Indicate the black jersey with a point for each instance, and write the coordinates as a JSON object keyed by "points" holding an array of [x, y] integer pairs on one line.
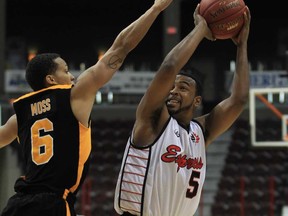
{"points": [[55, 145]]}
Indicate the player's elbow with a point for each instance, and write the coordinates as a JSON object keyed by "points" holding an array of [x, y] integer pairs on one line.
{"points": [[241, 100], [170, 66]]}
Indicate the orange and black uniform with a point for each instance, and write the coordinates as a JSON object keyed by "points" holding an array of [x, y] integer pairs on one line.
{"points": [[56, 150]]}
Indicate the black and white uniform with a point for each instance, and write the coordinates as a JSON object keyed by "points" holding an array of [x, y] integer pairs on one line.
{"points": [[165, 178]]}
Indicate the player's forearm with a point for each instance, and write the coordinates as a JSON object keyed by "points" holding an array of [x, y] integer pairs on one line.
{"points": [[241, 82], [183, 51], [130, 37]]}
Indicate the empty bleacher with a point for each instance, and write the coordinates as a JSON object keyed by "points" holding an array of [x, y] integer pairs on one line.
{"points": [[254, 180]]}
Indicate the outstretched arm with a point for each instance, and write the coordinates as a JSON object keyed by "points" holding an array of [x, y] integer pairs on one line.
{"points": [[90, 81], [226, 112], [152, 113]]}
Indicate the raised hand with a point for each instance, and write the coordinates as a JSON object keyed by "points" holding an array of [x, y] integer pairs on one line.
{"points": [[199, 19], [242, 37]]}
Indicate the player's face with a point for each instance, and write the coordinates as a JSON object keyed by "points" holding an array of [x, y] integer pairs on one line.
{"points": [[182, 95], [62, 75]]}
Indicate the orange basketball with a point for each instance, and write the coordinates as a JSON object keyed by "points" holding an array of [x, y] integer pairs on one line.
{"points": [[224, 17]]}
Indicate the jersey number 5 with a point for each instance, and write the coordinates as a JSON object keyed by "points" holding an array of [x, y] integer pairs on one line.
{"points": [[42, 145], [193, 185]]}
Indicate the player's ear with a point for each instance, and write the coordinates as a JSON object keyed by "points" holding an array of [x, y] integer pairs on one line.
{"points": [[197, 101], [50, 79]]}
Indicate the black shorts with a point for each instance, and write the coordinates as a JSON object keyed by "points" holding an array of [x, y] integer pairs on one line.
{"points": [[39, 204]]}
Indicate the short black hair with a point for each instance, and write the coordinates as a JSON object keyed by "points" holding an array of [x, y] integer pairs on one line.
{"points": [[196, 75], [39, 67]]}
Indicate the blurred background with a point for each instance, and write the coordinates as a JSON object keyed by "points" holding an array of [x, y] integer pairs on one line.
{"points": [[247, 166], [81, 30]]}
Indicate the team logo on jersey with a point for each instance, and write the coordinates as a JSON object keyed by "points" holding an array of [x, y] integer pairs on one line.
{"points": [[177, 133], [182, 161], [195, 138]]}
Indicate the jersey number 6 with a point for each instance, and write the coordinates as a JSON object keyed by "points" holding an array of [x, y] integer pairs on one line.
{"points": [[41, 145]]}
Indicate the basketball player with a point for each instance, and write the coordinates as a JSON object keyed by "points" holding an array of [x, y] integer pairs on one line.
{"points": [[52, 124], [164, 163]]}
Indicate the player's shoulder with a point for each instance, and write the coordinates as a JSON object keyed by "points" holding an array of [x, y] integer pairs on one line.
{"points": [[200, 121]]}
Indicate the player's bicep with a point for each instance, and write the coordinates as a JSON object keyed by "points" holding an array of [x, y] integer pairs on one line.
{"points": [[221, 118]]}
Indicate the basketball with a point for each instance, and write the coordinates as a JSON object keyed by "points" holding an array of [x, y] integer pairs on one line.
{"points": [[224, 17]]}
